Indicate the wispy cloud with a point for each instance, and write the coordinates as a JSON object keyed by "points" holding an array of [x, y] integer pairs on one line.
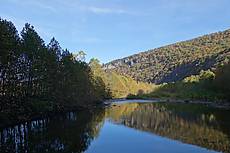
{"points": [[43, 6], [91, 8], [63, 6], [35, 4], [104, 10]]}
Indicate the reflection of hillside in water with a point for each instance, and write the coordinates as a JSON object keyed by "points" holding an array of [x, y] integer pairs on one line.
{"points": [[193, 124], [72, 132]]}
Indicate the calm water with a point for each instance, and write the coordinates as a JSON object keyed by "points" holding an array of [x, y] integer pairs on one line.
{"points": [[125, 128]]}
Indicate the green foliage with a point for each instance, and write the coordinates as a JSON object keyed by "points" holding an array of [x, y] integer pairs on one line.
{"points": [[222, 80], [203, 76], [119, 86], [191, 79], [205, 86], [35, 77], [177, 61], [206, 75]]}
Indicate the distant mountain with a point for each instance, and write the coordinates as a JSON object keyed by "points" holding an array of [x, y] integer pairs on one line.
{"points": [[176, 61]]}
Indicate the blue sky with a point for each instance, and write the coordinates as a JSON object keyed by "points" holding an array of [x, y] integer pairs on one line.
{"points": [[111, 29]]}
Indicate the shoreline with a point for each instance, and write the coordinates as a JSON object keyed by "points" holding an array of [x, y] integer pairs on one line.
{"points": [[216, 104], [20, 119], [107, 103]]}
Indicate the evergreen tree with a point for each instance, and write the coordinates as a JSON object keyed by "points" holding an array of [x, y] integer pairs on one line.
{"points": [[33, 47], [9, 51]]}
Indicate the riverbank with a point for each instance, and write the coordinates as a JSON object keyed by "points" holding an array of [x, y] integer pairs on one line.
{"points": [[196, 126], [37, 109], [8, 119], [216, 104]]}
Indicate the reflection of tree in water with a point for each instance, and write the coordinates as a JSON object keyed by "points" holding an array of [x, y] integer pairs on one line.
{"points": [[70, 133], [193, 124]]}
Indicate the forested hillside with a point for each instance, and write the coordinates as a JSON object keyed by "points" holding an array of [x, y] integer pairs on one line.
{"points": [[118, 86], [177, 61]]}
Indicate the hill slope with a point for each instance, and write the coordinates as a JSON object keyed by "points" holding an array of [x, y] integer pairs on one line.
{"points": [[177, 61], [119, 86]]}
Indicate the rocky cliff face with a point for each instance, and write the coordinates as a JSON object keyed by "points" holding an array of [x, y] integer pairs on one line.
{"points": [[177, 61]]}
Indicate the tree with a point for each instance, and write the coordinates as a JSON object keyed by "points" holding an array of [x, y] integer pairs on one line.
{"points": [[33, 47], [9, 51], [37, 77], [80, 56], [222, 80], [53, 65]]}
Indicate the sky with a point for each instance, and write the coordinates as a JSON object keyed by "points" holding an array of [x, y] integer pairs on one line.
{"points": [[112, 29]]}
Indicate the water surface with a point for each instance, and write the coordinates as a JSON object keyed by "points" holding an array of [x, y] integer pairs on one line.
{"points": [[131, 127]]}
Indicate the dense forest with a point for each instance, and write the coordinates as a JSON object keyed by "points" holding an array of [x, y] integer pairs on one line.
{"points": [[175, 62], [35, 77], [207, 86], [38, 78], [194, 69]]}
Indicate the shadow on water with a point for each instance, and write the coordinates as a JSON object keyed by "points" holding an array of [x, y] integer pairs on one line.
{"points": [[71, 132], [190, 123], [74, 131]]}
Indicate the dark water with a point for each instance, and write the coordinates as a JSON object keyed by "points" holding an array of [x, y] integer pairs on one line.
{"points": [[125, 128]]}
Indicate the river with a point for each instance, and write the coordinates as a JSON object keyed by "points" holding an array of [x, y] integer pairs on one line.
{"points": [[125, 127]]}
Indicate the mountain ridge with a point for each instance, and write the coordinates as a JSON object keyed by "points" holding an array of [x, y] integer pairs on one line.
{"points": [[175, 61]]}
